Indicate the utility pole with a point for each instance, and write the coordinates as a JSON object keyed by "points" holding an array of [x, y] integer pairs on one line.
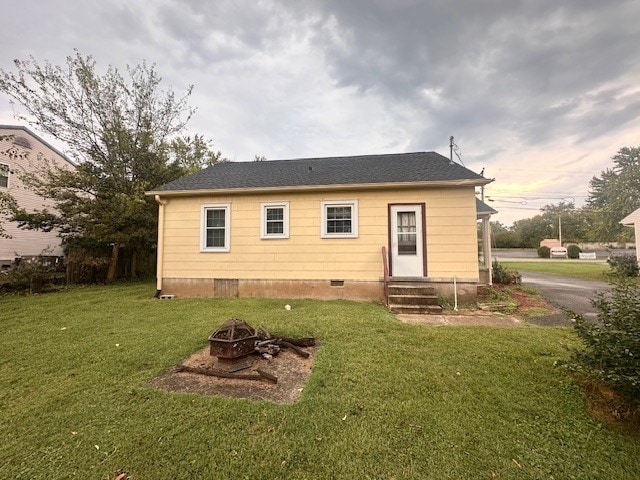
{"points": [[560, 229], [451, 148]]}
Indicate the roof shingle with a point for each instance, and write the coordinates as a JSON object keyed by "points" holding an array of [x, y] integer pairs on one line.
{"points": [[356, 170]]}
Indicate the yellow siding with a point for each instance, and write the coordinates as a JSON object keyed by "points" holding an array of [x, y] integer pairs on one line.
{"points": [[450, 235]]}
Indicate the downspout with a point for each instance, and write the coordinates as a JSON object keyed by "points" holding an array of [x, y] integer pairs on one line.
{"points": [[160, 260]]}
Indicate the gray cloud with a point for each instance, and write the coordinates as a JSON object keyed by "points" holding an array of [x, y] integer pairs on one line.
{"points": [[515, 65]]}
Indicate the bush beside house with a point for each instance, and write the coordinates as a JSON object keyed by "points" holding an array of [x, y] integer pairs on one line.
{"points": [[611, 352], [624, 265]]}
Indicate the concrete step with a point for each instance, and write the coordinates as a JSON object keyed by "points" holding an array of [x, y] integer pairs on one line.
{"points": [[413, 298], [404, 299], [416, 309], [411, 289]]}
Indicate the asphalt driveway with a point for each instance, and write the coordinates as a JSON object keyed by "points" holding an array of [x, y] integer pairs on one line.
{"points": [[565, 293]]}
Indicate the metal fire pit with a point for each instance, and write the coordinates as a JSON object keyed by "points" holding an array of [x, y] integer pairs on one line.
{"points": [[231, 344]]}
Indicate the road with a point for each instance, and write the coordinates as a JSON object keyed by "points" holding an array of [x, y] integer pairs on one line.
{"points": [[565, 293], [517, 254]]}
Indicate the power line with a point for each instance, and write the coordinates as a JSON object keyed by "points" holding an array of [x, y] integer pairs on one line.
{"points": [[520, 208], [499, 193], [544, 170]]}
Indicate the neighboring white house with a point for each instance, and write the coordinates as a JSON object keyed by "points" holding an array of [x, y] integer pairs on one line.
{"points": [[633, 220], [21, 151]]}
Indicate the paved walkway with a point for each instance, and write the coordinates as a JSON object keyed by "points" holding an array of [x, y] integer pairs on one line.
{"points": [[470, 319], [563, 293]]}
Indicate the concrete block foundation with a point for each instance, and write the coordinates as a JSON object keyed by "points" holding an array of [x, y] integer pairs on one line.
{"points": [[316, 289]]}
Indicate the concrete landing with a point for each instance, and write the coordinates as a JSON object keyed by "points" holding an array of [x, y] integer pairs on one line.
{"points": [[477, 319]]}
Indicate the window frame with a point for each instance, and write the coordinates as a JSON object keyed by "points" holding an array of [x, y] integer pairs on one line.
{"points": [[7, 169], [353, 205], [263, 220], [226, 207]]}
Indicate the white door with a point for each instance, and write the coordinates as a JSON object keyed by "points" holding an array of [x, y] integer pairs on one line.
{"points": [[407, 242]]}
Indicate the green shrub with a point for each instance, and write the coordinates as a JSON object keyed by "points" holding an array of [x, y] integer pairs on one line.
{"points": [[544, 252], [624, 265], [504, 275], [573, 251], [32, 274], [611, 352]]}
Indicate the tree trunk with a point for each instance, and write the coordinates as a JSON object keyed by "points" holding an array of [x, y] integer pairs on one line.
{"points": [[134, 264], [113, 263]]}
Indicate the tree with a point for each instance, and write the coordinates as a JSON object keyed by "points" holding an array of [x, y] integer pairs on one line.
{"points": [[616, 193], [504, 237], [7, 207], [121, 131], [190, 154], [547, 225], [566, 217]]}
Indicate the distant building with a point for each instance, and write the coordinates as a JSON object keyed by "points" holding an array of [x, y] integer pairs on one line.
{"points": [[550, 242], [22, 151]]}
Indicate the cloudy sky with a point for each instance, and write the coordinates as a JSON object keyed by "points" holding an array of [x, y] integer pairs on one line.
{"points": [[539, 93]]}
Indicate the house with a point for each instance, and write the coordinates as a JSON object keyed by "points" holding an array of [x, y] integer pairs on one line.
{"points": [[321, 228], [22, 151], [550, 243], [633, 220]]}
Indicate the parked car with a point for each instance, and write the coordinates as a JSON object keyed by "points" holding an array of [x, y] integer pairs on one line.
{"points": [[558, 252]]}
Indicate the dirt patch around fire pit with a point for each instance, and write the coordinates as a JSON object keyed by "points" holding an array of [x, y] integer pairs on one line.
{"points": [[291, 370]]}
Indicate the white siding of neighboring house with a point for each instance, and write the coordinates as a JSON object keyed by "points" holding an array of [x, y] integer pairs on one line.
{"points": [[633, 220], [27, 242]]}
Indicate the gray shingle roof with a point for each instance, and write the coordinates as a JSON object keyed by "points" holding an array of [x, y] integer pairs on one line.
{"points": [[357, 170], [484, 209]]}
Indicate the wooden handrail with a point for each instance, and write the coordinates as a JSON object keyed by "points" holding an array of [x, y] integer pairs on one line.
{"points": [[385, 263]]}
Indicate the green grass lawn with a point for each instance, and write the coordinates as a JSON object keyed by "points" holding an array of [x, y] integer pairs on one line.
{"points": [[586, 271], [385, 400]]}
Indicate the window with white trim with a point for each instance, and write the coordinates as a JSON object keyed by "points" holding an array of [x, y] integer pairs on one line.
{"points": [[340, 219], [4, 175], [274, 220], [215, 228]]}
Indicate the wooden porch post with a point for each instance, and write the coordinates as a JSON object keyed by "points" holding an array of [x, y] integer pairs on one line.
{"points": [[486, 246]]}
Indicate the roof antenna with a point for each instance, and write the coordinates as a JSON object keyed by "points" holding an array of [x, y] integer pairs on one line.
{"points": [[451, 144], [453, 148]]}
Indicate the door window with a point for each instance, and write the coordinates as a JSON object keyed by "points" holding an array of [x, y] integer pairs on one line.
{"points": [[407, 235]]}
